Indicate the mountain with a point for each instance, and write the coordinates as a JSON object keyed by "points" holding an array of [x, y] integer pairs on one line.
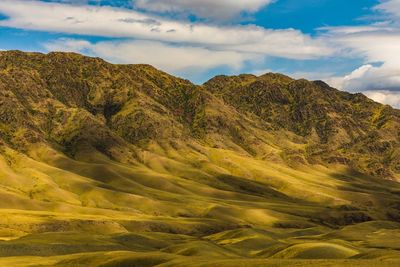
{"points": [[125, 165]]}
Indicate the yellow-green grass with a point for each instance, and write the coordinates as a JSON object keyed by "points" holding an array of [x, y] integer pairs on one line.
{"points": [[184, 206]]}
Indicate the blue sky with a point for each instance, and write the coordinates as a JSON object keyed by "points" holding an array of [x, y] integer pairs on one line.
{"points": [[311, 14], [353, 45]]}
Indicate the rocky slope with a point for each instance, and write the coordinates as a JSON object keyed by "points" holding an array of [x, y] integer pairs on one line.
{"points": [[66, 99], [245, 166]]}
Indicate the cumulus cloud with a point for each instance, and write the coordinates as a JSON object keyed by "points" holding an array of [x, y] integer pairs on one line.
{"points": [[390, 7], [384, 96], [170, 58], [379, 45], [209, 9], [369, 77], [381, 52], [118, 22]]}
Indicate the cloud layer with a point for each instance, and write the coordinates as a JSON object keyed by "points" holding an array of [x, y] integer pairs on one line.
{"points": [[114, 22], [171, 58], [379, 46], [209, 9], [174, 45]]}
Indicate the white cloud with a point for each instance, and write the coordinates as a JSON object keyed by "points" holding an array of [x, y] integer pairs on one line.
{"points": [[386, 97], [210, 9], [369, 77], [379, 45], [359, 29], [390, 7], [117, 22], [381, 52], [170, 58]]}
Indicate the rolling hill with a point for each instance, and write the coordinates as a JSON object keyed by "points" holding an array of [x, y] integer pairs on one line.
{"points": [[125, 165]]}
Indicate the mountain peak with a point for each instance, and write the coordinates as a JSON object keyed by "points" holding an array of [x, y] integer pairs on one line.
{"points": [[276, 77]]}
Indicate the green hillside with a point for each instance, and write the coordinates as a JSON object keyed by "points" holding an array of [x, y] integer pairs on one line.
{"points": [[125, 165]]}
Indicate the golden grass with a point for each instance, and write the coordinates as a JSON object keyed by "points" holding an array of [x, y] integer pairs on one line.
{"points": [[227, 209]]}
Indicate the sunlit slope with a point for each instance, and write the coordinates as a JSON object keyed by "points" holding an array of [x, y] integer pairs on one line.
{"points": [[234, 207], [114, 165]]}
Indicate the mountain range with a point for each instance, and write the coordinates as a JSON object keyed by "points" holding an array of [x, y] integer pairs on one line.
{"points": [[126, 165]]}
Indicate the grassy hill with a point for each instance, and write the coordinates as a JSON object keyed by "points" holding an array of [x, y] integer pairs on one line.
{"points": [[125, 165]]}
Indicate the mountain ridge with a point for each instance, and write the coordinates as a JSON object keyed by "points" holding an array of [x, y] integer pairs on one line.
{"points": [[310, 110]]}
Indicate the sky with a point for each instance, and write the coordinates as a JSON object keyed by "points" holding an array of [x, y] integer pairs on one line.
{"points": [[353, 45]]}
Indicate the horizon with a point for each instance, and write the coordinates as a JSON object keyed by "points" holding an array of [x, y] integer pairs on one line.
{"points": [[133, 64], [197, 40]]}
